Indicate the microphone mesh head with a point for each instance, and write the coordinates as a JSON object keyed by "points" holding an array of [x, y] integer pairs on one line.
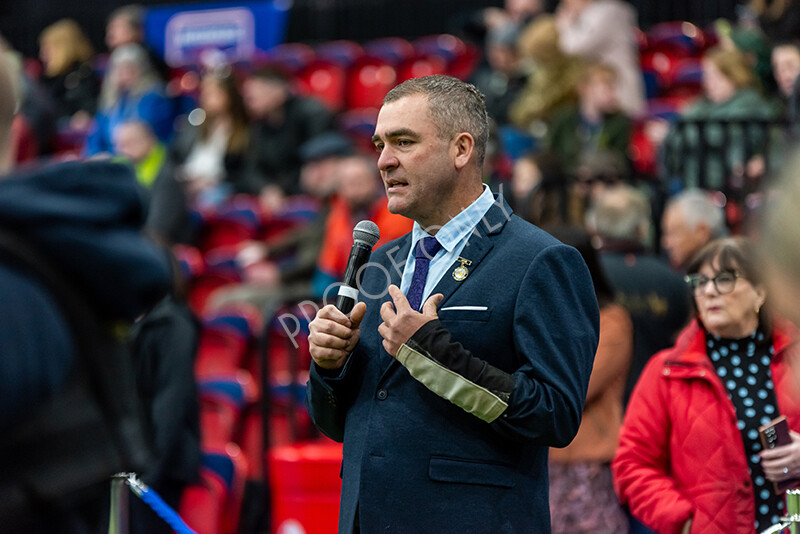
{"points": [[366, 232]]}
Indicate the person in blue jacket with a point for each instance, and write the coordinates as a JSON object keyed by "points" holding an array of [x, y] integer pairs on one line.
{"points": [[447, 413], [131, 92]]}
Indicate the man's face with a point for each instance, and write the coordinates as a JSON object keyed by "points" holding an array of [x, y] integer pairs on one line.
{"points": [[679, 240], [786, 66], [416, 164]]}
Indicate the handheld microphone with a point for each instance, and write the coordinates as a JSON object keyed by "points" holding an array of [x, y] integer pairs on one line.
{"points": [[365, 235]]}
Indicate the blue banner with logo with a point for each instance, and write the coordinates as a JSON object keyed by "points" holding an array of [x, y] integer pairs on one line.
{"points": [[239, 30]]}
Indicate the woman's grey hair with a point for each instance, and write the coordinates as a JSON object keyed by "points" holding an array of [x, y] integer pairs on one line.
{"points": [[454, 106], [131, 54]]}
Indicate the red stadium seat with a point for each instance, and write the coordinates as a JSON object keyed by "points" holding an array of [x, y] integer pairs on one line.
{"points": [[681, 36], [461, 57], [223, 401], [292, 57], [305, 487], [419, 66], [392, 50], [202, 503], [230, 465], [368, 81], [342, 52], [326, 81], [222, 349]]}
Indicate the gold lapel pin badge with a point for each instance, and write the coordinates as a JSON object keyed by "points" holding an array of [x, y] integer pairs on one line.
{"points": [[461, 272]]}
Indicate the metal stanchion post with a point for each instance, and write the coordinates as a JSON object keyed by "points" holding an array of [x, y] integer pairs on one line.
{"points": [[119, 519]]}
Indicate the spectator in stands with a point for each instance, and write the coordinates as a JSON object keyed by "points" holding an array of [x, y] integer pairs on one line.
{"points": [[282, 267], [164, 343], [36, 109], [691, 219], [689, 457], [131, 92], [731, 93], [551, 84], [282, 122], [582, 497], [168, 218], [69, 78], [359, 197], [501, 78], [604, 31], [23, 144], [210, 144], [653, 294], [477, 24], [539, 190], [594, 124], [778, 20], [125, 26], [786, 69]]}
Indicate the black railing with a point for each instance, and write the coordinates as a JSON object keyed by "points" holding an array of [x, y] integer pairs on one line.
{"points": [[729, 155]]}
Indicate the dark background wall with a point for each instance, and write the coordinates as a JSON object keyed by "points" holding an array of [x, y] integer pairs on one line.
{"points": [[21, 21]]}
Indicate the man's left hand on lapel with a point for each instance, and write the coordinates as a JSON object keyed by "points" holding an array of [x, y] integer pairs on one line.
{"points": [[400, 322]]}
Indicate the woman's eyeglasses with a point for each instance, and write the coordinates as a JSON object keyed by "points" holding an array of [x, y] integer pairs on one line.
{"points": [[724, 282]]}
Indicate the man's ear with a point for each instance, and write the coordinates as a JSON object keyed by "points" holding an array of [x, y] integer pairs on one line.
{"points": [[463, 149]]}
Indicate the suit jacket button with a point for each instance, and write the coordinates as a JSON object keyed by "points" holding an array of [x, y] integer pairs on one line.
{"points": [[382, 394]]}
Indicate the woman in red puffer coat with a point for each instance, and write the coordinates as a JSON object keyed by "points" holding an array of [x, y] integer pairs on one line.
{"points": [[690, 458]]}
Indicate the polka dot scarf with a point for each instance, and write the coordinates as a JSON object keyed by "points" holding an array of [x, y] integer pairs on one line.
{"points": [[743, 367]]}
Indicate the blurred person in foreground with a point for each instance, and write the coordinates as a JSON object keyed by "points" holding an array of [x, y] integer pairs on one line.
{"points": [[690, 458], [691, 219], [779, 246], [74, 273], [582, 497], [448, 382], [653, 294]]}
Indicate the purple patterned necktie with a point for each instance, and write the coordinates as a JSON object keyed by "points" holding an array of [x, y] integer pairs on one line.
{"points": [[425, 250]]}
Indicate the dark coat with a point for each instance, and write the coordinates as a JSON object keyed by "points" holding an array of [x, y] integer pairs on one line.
{"points": [[164, 346], [517, 337]]}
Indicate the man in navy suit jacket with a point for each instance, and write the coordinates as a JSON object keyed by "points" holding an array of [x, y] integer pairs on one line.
{"points": [[447, 413]]}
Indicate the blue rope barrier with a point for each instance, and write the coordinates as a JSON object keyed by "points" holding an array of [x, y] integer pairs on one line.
{"points": [[157, 504]]}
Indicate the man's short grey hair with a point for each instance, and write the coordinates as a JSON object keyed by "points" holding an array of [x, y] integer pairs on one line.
{"points": [[621, 212], [455, 107], [697, 207]]}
